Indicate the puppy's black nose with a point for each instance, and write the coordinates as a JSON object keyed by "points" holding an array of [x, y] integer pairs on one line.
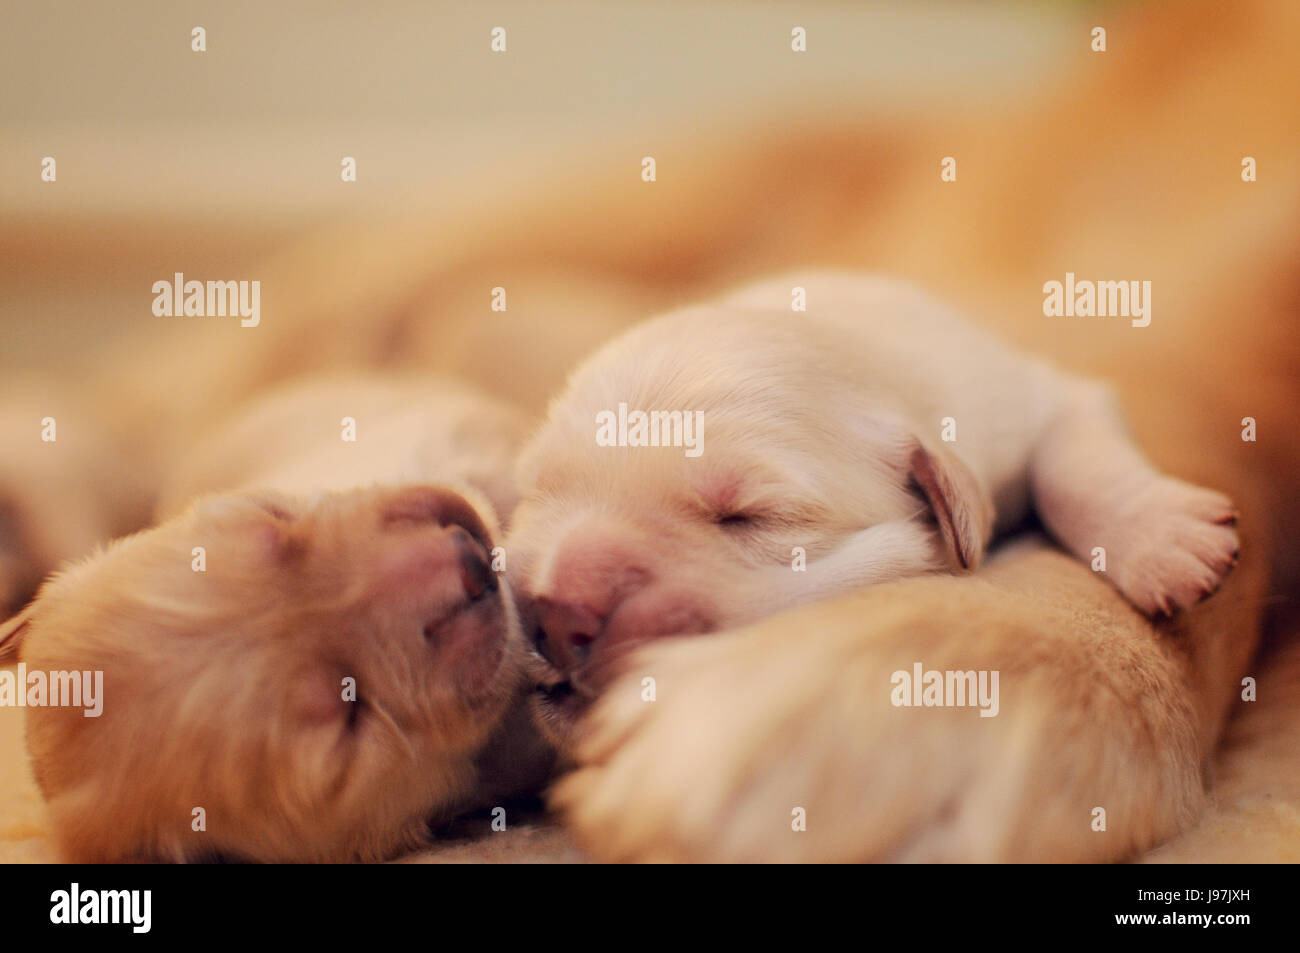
{"points": [[567, 632], [475, 572]]}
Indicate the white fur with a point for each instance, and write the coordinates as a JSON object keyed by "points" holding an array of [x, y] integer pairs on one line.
{"points": [[815, 413]]}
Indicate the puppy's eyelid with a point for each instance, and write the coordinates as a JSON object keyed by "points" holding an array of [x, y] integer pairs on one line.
{"points": [[737, 520], [792, 517]]}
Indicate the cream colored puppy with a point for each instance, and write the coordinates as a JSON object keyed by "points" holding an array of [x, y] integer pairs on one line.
{"points": [[311, 665], [795, 455]]}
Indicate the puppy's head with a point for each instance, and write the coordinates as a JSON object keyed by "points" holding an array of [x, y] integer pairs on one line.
{"points": [[800, 487], [282, 679]]}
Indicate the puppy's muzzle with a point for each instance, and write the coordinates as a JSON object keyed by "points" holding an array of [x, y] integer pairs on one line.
{"points": [[565, 633], [586, 648]]}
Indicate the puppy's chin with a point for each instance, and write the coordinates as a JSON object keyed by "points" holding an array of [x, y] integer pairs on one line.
{"points": [[560, 700], [558, 710], [558, 703]]}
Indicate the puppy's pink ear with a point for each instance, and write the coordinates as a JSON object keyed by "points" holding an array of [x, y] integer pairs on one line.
{"points": [[12, 632], [961, 505]]}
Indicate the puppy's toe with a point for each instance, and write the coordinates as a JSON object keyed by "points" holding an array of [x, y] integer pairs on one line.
{"points": [[1176, 547]]}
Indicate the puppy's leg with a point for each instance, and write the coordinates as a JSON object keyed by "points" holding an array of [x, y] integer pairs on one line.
{"points": [[799, 752], [1168, 544]]}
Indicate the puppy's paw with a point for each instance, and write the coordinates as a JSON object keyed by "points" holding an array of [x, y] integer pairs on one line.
{"points": [[760, 748], [785, 741], [1174, 546], [654, 780]]}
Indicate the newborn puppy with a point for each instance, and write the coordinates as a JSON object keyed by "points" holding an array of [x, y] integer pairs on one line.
{"points": [[874, 436], [307, 668]]}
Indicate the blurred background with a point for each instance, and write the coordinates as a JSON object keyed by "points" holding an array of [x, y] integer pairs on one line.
{"points": [[215, 158]]}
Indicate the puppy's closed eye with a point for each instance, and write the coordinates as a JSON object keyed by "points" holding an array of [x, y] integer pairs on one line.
{"points": [[755, 517], [738, 521]]}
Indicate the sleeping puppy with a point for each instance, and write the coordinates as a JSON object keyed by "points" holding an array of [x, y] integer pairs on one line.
{"points": [[309, 666], [722, 462]]}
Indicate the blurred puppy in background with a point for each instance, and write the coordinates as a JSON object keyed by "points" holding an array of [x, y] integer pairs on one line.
{"points": [[317, 661]]}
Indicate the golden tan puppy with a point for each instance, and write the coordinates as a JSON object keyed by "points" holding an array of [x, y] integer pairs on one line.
{"points": [[300, 671]]}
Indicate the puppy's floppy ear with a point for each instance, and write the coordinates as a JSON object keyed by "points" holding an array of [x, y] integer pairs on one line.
{"points": [[261, 516], [12, 632], [961, 505]]}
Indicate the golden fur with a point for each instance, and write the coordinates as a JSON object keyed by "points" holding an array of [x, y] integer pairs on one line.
{"points": [[227, 729]]}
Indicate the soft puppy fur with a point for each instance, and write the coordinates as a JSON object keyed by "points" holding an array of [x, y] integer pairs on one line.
{"points": [[817, 464], [228, 638], [791, 718]]}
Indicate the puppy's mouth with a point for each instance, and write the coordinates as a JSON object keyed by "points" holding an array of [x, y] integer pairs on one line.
{"points": [[559, 699], [563, 695]]}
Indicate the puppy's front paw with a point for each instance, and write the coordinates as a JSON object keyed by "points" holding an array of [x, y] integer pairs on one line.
{"points": [[788, 741], [654, 780], [1173, 546], [758, 747]]}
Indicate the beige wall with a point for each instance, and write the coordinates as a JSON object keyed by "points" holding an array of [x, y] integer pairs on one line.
{"points": [[257, 124]]}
